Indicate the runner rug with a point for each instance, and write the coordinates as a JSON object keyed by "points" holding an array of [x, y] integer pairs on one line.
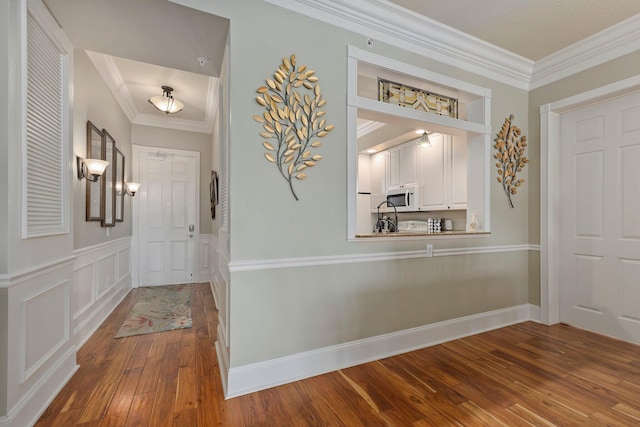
{"points": [[159, 308]]}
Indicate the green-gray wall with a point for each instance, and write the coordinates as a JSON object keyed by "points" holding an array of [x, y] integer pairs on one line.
{"points": [[94, 101], [285, 311]]}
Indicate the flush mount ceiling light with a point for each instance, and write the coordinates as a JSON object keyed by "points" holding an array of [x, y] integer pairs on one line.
{"points": [[424, 140], [166, 102]]}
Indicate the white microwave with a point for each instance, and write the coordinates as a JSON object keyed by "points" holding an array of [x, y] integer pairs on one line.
{"points": [[405, 199]]}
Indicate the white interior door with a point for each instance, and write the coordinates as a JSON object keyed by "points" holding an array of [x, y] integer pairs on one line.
{"points": [[600, 218], [168, 216]]}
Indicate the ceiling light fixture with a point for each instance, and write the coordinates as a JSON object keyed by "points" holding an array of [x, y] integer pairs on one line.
{"points": [[166, 102], [424, 140]]}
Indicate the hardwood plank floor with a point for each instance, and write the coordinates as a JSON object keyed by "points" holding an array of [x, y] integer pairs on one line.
{"points": [[522, 375]]}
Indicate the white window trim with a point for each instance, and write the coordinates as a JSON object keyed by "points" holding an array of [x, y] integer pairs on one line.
{"points": [[478, 131]]}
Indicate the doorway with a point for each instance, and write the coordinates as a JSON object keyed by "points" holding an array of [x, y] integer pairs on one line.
{"points": [[166, 216], [590, 219]]}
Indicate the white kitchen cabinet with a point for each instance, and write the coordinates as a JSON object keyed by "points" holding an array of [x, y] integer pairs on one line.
{"points": [[364, 173], [443, 173], [378, 188], [402, 166], [458, 189]]}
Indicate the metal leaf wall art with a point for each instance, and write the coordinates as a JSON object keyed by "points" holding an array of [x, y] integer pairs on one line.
{"points": [[510, 145], [292, 122]]}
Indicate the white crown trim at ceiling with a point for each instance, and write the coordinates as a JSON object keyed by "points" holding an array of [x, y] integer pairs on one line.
{"points": [[108, 70], [368, 127], [611, 43], [383, 21]]}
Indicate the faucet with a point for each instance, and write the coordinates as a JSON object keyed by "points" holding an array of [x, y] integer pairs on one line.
{"points": [[382, 220]]}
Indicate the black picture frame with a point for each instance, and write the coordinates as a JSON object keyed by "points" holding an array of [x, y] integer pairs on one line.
{"points": [[213, 193], [119, 186], [94, 191], [109, 181]]}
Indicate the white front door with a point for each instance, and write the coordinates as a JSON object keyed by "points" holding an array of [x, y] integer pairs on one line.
{"points": [[600, 218], [168, 215]]}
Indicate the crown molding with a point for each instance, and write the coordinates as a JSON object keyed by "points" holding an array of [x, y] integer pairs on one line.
{"points": [[383, 21], [108, 70], [610, 43], [405, 29], [368, 127]]}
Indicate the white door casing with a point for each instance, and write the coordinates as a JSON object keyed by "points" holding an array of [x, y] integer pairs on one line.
{"points": [[602, 266], [167, 206]]}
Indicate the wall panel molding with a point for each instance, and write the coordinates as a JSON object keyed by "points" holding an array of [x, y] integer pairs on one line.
{"points": [[41, 351], [47, 311], [101, 280]]}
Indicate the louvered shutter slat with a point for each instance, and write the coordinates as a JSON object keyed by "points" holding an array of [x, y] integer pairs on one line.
{"points": [[45, 183]]}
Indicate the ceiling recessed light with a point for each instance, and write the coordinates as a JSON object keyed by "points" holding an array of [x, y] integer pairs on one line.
{"points": [[371, 151]]}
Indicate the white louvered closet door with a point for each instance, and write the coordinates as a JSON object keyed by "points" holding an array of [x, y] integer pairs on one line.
{"points": [[44, 152]]}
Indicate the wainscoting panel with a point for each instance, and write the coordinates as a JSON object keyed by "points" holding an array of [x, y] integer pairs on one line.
{"points": [[106, 273], [124, 263], [46, 311], [82, 291], [108, 285], [41, 353], [205, 270], [217, 273]]}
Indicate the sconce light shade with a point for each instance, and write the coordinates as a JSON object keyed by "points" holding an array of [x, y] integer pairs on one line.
{"points": [[166, 102], [91, 169], [130, 188], [424, 140]]}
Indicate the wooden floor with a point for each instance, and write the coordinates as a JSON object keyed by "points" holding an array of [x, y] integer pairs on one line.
{"points": [[527, 374]]}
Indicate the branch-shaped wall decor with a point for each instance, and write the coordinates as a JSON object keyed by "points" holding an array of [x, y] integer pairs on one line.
{"points": [[510, 144], [293, 120]]}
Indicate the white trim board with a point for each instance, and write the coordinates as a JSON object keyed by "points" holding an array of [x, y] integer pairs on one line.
{"points": [[267, 264], [262, 375], [399, 27]]}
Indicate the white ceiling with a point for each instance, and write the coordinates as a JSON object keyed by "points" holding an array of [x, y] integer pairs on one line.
{"points": [[141, 45], [532, 29]]}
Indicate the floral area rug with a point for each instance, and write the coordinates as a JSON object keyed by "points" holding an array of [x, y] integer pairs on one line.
{"points": [[159, 308]]}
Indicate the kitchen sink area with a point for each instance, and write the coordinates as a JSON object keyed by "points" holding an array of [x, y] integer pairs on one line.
{"points": [[419, 228]]}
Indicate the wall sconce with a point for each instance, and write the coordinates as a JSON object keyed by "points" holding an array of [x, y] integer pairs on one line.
{"points": [[166, 102], [90, 169], [424, 139], [130, 188]]}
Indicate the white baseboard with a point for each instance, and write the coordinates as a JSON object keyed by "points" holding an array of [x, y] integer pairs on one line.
{"points": [[223, 361], [262, 375], [83, 331], [534, 313]]}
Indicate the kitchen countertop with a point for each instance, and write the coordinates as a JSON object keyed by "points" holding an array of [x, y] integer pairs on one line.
{"points": [[422, 234]]}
